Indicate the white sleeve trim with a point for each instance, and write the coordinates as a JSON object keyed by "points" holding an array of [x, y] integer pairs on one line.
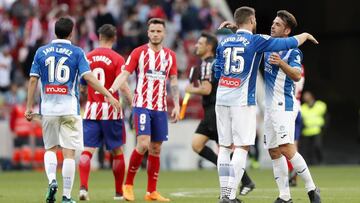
{"points": [[34, 74]]}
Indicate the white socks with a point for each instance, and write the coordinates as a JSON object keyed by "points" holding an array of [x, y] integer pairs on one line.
{"points": [[281, 176], [302, 170], [68, 173], [237, 168], [50, 163], [223, 165]]}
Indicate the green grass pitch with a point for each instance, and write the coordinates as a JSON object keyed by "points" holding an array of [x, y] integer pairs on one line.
{"points": [[337, 183]]}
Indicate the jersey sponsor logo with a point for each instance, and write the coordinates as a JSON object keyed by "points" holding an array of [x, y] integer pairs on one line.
{"points": [[229, 82], [155, 75], [56, 89]]}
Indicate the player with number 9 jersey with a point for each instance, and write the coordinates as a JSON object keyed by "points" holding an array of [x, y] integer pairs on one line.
{"points": [[105, 64]]}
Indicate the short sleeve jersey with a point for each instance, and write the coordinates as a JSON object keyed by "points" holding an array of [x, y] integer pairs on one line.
{"points": [[152, 70], [59, 65], [105, 64]]}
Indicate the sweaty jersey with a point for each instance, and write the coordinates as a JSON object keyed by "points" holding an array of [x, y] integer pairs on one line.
{"points": [[152, 70], [105, 64], [207, 74], [237, 62], [280, 88], [59, 65]]}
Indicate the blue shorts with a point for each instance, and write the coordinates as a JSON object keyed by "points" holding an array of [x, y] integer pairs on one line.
{"points": [[150, 122], [298, 126], [108, 132]]}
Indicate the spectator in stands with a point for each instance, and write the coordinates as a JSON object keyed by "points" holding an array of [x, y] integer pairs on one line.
{"points": [[5, 68]]}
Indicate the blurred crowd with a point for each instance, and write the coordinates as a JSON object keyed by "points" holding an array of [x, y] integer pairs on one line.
{"points": [[25, 25]]}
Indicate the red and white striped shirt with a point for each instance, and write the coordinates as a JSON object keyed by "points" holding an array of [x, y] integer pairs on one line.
{"points": [[152, 69], [105, 64]]}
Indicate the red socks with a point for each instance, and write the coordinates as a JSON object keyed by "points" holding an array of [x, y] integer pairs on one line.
{"points": [[134, 164], [153, 167], [118, 168], [84, 169]]}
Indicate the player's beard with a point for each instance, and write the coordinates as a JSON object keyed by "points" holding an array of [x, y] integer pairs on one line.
{"points": [[156, 43]]}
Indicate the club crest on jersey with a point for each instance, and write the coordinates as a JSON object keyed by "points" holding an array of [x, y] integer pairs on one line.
{"points": [[56, 89], [229, 82], [165, 62], [142, 127]]}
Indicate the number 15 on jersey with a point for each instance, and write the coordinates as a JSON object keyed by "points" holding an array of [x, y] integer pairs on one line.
{"points": [[234, 63]]}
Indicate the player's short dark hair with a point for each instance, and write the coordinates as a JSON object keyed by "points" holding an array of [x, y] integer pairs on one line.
{"points": [[210, 39], [63, 27], [288, 18], [156, 21], [242, 15], [107, 31]]}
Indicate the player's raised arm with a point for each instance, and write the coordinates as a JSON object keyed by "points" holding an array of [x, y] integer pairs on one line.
{"points": [[175, 95], [91, 80]]}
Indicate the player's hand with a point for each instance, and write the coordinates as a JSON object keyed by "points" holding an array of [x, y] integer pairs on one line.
{"points": [[312, 38], [228, 24], [275, 59], [175, 114], [114, 103], [28, 115]]}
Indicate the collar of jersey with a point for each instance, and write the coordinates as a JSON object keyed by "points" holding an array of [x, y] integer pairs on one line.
{"points": [[61, 41], [243, 30]]}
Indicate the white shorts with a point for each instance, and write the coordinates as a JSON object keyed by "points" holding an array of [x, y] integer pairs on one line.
{"points": [[66, 131], [279, 127], [236, 125]]}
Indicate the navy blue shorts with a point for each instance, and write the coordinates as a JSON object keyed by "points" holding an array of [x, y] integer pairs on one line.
{"points": [[298, 126], [100, 132], [150, 122]]}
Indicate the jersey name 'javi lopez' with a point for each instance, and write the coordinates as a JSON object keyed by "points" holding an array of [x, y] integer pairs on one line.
{"points": [[59, 50]]}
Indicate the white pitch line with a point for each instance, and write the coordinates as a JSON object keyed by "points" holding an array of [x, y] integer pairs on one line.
{"points": [[211, 192]]}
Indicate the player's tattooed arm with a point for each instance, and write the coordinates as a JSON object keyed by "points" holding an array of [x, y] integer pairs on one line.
{"points": [[175, 94], [174, 89]]}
